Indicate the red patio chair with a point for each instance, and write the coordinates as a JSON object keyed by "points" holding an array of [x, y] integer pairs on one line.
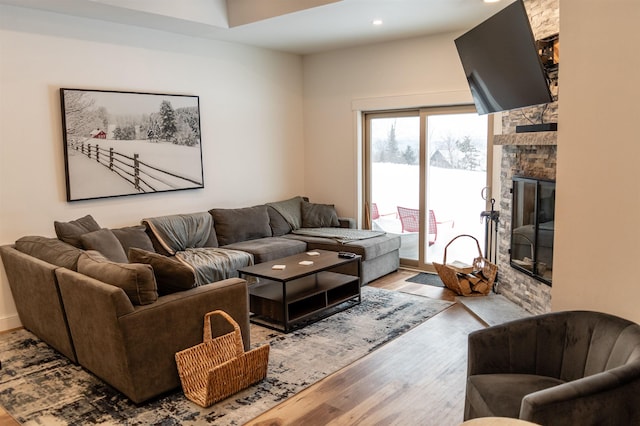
{"points": [[375, 214], [410, 221]]}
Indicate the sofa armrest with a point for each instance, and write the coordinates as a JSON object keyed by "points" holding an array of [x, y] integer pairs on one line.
{"points": [[609, 397], [133, 347], [347, 222], [35, 292]]}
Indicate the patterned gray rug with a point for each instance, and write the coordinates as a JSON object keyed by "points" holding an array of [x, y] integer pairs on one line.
{"points": [[38, 386]]}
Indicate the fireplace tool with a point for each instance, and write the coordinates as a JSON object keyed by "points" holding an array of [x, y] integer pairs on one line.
{"points": [[491, 219]]}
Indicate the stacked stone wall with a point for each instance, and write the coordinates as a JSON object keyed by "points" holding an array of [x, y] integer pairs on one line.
{"points": [[545, 21], [535, 161]]}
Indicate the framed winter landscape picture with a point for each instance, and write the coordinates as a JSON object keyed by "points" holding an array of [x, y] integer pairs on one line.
{"points": [[125, 143]]}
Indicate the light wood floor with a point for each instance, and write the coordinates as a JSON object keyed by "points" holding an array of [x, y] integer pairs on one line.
{"points": [[416, 379], [6, 419]]}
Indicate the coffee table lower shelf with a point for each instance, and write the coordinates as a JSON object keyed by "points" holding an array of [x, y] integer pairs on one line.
{"points": [[285, 306]]}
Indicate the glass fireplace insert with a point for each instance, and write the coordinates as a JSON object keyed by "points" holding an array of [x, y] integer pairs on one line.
{"points": [[532, 227]]}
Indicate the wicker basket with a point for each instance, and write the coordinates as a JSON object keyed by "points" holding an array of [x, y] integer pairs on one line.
{"points": [[218, 368], [479, 282]]}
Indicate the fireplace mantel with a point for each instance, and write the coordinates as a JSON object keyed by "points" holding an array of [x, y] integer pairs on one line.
{"points": [[532, 138]]}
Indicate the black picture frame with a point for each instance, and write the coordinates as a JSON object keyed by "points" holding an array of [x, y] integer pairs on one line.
{"points": [[127, 143]]}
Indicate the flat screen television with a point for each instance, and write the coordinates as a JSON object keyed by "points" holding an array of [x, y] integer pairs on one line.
{"points": [[501, 62]]}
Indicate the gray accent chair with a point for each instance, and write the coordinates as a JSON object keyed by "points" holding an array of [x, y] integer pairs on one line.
{"points": [[563, 368]]}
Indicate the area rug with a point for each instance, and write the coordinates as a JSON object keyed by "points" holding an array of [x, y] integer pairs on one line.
{"points": [[428, 279], [38, 386]]}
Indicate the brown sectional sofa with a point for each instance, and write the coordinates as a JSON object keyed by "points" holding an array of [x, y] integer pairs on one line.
{"points": [[125, 321]]}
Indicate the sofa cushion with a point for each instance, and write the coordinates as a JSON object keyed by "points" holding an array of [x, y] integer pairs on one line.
{"points": [[319, 215], [50, 250], [233, 225], [270, 248], [291, 210], [104, 241], [135, 279], [369, 248], [70, 232], [171, 274], [133, 236], [279, 225]]}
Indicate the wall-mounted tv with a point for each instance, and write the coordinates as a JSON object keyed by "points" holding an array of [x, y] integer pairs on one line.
{"points": [[501, 62]]}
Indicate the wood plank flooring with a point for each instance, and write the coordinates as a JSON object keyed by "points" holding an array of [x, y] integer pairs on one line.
{"points": [[6, 419], [416, 379]]}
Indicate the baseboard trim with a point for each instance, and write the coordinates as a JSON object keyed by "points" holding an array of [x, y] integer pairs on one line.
{"points": [[10, 323]]}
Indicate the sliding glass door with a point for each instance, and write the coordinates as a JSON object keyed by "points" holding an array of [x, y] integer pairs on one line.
{"points": [[424, 175]]}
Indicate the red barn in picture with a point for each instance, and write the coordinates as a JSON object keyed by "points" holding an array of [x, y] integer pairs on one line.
{"points": [[98, 134]]}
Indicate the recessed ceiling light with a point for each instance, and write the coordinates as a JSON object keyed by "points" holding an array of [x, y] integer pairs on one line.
{"points": [[377, 22], [491, 1]]}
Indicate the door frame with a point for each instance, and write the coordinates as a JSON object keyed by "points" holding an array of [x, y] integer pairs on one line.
{"points": [[422, 113]]}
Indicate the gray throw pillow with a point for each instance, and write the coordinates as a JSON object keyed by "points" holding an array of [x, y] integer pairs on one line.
{"points": [[290, 210], [234, 225], [50, 250], [133, 236], [319, 215], [104, 241], [279, 225], [135, 279], [171, 274], [70, 232]]}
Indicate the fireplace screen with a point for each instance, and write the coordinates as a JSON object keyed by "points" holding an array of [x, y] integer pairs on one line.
{"points": [[532, 226]]}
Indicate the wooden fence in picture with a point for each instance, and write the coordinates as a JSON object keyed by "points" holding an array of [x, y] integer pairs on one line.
{"points": [[143, 176]]}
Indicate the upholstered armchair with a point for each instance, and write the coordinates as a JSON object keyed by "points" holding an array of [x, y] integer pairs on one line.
{"points": [[563, 368]]}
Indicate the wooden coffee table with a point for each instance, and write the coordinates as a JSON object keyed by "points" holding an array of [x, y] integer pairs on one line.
{"points": [[298, 294]]}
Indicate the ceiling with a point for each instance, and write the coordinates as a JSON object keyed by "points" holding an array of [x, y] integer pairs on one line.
{"points": [[295, 26]]}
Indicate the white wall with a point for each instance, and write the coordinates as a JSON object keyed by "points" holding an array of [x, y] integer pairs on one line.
{"points": [[597, 246], [251, 119], [417, 72]]}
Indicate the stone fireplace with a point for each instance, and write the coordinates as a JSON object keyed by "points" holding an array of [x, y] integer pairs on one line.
{"points": [[527, 155], [536, 161]]}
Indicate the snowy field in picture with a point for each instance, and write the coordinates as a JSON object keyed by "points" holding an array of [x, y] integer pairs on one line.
{"points": [[120, 143]]}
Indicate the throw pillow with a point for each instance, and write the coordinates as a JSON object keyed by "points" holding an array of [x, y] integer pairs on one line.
{"points": [[133, 236], [319, 215], [171, 274], [135, 279], [104, 241], [279, 225], [70, 232], [233, 225], [50, 250], [290, 210]]}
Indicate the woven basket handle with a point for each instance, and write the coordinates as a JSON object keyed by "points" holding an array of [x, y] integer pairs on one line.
{"points": [[444, 261], [236, 329]]}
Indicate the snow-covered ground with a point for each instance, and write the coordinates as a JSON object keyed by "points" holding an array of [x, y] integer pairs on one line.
{"points": [[453, 195], [89, 179]]}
